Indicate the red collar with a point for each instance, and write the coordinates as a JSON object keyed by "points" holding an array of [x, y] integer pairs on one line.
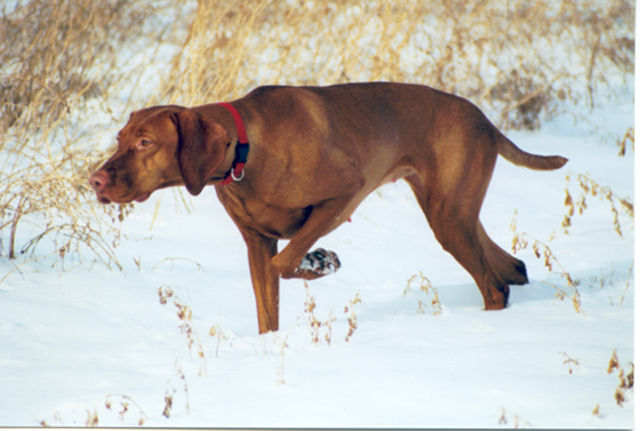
{"points": [[242, 148]]}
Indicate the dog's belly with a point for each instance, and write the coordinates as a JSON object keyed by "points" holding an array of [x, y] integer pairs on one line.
{"points": [[392, 175]]}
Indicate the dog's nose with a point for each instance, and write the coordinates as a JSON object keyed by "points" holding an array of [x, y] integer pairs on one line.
{"points": [[98, 181]]}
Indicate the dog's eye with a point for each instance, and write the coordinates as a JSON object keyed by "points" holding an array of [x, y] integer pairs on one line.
{"points": [[145, 143]]}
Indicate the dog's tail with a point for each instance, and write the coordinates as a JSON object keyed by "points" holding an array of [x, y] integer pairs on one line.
{"points": [[515, 155]]}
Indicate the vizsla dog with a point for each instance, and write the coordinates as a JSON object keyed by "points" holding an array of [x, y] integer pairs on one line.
{"points": [[295, 162]]}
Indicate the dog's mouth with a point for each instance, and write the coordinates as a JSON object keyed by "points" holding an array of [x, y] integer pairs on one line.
{"points": [[105, 200], [143, 198]]}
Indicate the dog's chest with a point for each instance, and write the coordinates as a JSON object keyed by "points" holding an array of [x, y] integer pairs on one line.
{"points": [[269, 220]]}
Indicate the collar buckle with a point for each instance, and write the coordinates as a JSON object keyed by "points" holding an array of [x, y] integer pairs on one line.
{"points": [[242, 148]]}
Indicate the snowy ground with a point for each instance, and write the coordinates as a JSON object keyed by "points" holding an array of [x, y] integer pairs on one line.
{"points": [[80, 345]]}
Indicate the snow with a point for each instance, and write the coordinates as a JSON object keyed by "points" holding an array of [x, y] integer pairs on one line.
{"points": [[77, 345]]}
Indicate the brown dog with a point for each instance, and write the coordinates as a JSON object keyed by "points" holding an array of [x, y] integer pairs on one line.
{"points": [[315, 154]]}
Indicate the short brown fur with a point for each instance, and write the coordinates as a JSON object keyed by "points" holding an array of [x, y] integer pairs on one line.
{"points": [[316, 153]]}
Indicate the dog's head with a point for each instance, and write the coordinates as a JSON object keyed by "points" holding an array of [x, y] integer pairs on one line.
{"points": [[161, 146]]}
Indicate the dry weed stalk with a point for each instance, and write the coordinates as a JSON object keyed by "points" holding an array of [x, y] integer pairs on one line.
{"points": [[352, 319], [173, 259], [312, 320], [626, 379], [602, 281], [216, 331], [518, 422], [629, 137], [108, 402], [314, 323], [626, 286], [569, 361], [171, 391], [327, 324], [187, 326], [283, 346], [427, 288], [588, 187], [542, 251], [614, 362]]}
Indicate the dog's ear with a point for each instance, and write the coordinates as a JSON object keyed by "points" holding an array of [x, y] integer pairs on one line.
{"points": [[201, 148]]}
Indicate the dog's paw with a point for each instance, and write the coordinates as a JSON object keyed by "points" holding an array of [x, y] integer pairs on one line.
{"points": [[316, 264]]}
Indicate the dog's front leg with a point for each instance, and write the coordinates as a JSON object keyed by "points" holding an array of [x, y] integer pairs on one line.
{"points": [[323, 218], [266, 287]]}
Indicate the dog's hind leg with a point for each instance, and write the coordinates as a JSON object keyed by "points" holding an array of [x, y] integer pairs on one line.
{"points": [[454, 221], [507, 267]]}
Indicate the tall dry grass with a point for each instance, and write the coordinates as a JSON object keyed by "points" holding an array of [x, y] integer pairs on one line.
{"points": [[63, 68], [516, 58], [72, 70]]}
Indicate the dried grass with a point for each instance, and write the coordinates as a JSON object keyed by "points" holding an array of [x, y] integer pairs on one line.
{"points": [[62, 67], [517, 59], [589, 186], [542, 251], [429, 289]]}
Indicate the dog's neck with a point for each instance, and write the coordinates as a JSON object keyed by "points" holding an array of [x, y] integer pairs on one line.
{"points": [[235, 159]]}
